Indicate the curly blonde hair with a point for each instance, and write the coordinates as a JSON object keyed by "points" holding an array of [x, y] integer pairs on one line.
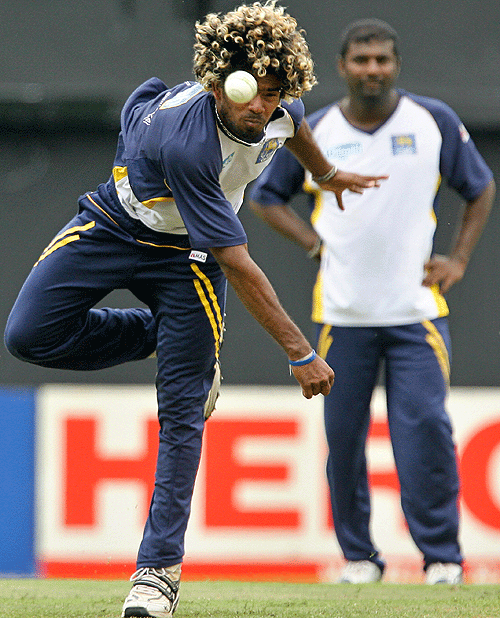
{"points": [[259, 38]]}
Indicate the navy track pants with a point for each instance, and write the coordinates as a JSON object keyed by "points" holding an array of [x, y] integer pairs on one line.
{"points": [[416, 360], [54, 324]]}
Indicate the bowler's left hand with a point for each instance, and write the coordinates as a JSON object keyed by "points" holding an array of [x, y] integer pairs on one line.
{"points": [[350, 181]]}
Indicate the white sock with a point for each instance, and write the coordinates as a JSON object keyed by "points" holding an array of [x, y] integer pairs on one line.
{"points": [[174, 571]]}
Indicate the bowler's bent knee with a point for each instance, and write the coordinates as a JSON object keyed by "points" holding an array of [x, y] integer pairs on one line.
{"points": [[25, 342]]}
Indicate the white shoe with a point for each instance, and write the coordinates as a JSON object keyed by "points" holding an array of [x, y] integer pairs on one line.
{"points": [[444, 573], [360, 572], [153, 594], [213, 393]]}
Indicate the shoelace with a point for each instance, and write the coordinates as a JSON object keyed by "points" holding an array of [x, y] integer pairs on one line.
{"points": [[156, 578]]}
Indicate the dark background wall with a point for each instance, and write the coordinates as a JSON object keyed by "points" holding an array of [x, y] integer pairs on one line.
{"points": [[65, 70]]}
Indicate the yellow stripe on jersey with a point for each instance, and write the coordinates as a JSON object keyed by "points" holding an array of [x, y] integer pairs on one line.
{"points": [[325, 340], [120, 173], [214, 314], [317, 310], [318, 200], [435, 340], [156, 200], [433, 212], [442, 305], [438, 184], [69, 235]]}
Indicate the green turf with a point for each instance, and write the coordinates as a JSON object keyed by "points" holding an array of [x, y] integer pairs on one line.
{"points": [[30, 598]]}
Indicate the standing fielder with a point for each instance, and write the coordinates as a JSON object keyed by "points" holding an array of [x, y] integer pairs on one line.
{"points": [[379, 293], [165, 227]]}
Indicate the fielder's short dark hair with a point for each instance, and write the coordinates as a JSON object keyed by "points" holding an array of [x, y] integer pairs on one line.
{"points": [[366, 30]]}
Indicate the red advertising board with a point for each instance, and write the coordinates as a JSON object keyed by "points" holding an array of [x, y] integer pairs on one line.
{"points": [[260, 508]]}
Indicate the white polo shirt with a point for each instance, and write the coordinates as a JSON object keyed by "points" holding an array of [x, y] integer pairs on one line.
{"points": [[374, 253]]}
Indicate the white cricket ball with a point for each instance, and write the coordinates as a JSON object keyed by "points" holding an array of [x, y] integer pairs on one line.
{"points": [[241, 86]]}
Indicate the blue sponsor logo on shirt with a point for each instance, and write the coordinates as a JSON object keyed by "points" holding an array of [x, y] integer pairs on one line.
{"points": [[344, 151], [403, 144], [268, 149]]}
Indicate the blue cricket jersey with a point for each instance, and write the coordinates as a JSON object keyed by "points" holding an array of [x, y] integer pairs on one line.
{"points": [[178, 171]]}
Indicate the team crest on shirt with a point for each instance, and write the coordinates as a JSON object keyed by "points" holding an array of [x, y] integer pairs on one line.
{"points": [[404, 144], [268, 149]]}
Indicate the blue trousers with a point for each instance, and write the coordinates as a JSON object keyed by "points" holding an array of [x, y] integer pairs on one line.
{"points": [[416, 361], [54, 324]]}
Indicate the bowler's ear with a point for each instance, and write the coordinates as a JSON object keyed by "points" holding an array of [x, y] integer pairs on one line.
{"points": [[217, 90]]}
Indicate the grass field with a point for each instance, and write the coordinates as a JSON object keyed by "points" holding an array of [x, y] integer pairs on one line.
{"points": [[66, 598]]}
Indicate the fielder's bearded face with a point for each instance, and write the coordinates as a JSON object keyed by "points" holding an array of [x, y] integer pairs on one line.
{"points": [[370, 68]]}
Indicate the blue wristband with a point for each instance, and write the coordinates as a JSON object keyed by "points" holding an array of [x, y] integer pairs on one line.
{"points": [[304, 361]]}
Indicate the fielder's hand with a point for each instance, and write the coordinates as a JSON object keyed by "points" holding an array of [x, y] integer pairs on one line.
{"points": [[444, 271]]}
